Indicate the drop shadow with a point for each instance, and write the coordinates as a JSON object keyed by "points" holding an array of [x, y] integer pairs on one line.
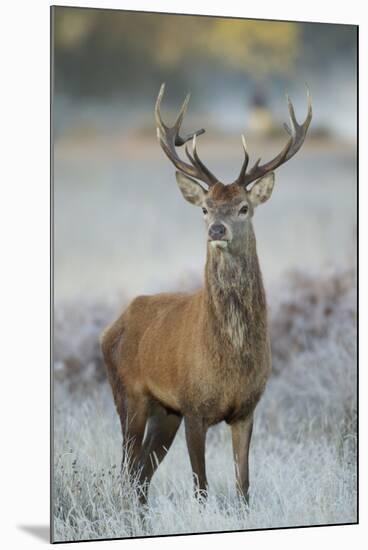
{"points": [[41, 532]]}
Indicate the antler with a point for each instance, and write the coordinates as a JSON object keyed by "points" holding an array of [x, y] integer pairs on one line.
{"points": [[169, 138], [297, 135]]}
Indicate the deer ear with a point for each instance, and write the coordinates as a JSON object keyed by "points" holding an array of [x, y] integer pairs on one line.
{"points": [[262, 189], [190, 189]]}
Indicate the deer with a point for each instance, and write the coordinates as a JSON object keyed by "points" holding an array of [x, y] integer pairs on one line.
{"points": [[203, 356]]}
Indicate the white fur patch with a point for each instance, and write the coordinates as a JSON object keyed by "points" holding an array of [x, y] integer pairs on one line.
{"points": [[219, 244], [235, 327]]}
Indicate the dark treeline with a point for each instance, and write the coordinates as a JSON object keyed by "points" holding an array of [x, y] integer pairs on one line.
{"points": [[105, 53]]}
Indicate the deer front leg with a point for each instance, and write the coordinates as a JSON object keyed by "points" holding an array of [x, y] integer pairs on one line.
{"points": [[195, 434], [241, 432]]}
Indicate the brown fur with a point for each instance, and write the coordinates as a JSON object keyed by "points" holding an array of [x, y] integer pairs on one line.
{"points": [[224, 193], [202, 356]]}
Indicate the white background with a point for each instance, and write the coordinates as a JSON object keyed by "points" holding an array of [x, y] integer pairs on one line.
{"points": [[24, 256]]}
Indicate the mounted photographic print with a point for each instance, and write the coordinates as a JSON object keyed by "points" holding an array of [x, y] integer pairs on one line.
{"points": [[204, 183]]}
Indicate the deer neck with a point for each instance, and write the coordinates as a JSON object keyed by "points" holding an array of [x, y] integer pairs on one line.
{"points": [[234, 296]]}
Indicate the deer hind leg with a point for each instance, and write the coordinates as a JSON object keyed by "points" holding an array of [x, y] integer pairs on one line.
{"points": [[195, 433], [161, 430], [241, 432], [132, 411], [133, 417]]}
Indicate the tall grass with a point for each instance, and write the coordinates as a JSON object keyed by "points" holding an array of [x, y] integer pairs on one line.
{"points": [[303, 452]]}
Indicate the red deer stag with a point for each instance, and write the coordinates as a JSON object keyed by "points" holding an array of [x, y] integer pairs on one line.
{"points": [[203, 356]]}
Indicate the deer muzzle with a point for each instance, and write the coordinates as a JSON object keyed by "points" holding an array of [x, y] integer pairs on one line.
{"points": [[218, 235]]}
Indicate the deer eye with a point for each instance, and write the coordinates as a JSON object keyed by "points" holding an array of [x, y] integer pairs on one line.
{"points": [[205, 211], [244, 209]]}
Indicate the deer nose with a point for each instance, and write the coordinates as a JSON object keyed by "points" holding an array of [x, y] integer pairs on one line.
{"points": [[216, 232]]}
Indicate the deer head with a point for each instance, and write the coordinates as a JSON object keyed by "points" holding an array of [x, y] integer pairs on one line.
{"points": [[227, 209]]}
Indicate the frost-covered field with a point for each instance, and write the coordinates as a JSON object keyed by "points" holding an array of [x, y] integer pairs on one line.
{"points": [[303, 453]]}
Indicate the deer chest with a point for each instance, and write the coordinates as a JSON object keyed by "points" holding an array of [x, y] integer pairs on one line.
{"points": [[229, 396]]}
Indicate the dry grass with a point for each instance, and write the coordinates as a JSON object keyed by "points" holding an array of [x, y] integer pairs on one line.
{"points": [[303, 454]]}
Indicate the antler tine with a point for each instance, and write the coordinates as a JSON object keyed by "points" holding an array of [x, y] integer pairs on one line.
{"points": [[196, 161], [244, 167], [181, 140], [179, 118], [158, 117], [297, 133], [293, 121], [169, 150], [169, 138]]}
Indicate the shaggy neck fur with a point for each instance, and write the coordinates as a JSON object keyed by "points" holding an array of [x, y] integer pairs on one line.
{"points": [[234, 296]]}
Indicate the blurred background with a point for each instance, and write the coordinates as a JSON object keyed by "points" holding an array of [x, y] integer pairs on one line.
{"points": [[121, 224], [122, 228]]}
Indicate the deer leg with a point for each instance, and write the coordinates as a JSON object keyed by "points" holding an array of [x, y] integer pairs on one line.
{"points": [[133, 423], [195, 434], [161, 430], [241, 432]]}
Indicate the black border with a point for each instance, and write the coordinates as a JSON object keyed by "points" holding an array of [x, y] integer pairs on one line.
{"points": [[357, 257], [52, 249], [207, 533], [203, 15]]}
